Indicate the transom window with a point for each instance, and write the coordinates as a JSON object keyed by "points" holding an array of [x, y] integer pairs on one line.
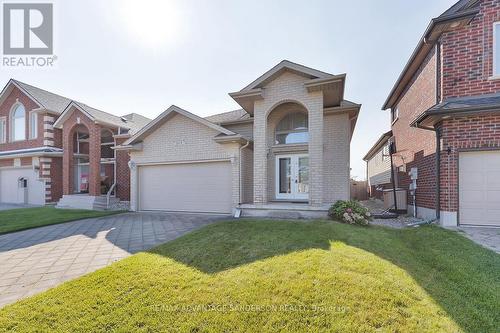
{"points": [[294, 128], [19, 123]]}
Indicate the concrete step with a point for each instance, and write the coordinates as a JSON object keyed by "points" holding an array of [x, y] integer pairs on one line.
{"points": [[284, 211], [85, 202]]}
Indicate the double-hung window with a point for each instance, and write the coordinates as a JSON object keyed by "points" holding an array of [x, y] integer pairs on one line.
{"points": [[496, 49], [33, 125], [3, 130]]}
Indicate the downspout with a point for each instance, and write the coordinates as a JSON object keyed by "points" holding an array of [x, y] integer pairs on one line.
{"points": [[239, 171], [438, 172], [438, 132]]}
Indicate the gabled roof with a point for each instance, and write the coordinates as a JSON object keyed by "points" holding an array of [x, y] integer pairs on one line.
{"points": [[457, 16], [378, 145], [331, 85], [61, 105], [102, 117], [167, 115], [229, 117], [280, 68], [44, 99]]}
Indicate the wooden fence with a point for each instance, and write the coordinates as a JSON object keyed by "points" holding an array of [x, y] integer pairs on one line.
{"points": [[359, 190]]}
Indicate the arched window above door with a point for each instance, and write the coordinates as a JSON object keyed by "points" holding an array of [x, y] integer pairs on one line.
{"points": [[293, 128]]}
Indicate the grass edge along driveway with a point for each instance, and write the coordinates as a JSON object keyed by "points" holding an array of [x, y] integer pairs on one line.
{"points": [[257, 275], [18, 219]]}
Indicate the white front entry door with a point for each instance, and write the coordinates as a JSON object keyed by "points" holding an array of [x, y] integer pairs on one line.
{"points": [[292, 177]]}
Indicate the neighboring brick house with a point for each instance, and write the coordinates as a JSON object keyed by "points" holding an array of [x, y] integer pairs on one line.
{"points": [[445, 109], [285, 153], [52, 146], [378, 167]]}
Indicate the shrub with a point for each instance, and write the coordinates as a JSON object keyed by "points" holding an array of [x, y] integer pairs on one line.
{"points": [[350, 211]]}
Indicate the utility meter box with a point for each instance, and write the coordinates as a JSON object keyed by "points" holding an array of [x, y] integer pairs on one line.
{"points": [[413, 173]]}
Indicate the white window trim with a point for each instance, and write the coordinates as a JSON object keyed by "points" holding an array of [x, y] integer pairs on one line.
{"points": [[3, 122], [30, 125], [496, 70], [287, 196], [291, 131], [11, 122]]}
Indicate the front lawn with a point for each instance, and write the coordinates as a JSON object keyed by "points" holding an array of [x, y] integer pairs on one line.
{"points": [[260, 276], [27, 218]]}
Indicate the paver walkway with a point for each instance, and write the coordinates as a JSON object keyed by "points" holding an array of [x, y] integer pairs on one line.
{"points": [[34, 260]]}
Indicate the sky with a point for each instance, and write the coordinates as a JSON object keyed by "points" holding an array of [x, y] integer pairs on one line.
{"points": [[124, 56]]}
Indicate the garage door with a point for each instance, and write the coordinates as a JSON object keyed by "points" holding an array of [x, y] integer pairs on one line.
{"points": [[197, 187], [11, 192], [479, 193]]}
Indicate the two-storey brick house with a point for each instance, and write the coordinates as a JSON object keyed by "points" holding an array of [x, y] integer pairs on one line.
{"points": [[52, 146], [445, 109]]}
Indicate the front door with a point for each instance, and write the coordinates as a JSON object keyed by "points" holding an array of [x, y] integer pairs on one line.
{"points": [[292, 177]]}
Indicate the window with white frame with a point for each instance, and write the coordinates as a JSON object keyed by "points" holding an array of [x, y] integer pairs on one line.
{"points": [[293, 128], [385, 153], [3, 130], [496, 49], [18, 123], [394, 114], [33, 125]]}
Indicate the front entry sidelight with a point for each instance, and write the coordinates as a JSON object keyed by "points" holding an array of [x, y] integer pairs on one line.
{"points": [[292, 177]]}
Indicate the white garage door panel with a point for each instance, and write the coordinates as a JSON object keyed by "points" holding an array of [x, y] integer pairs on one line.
{"points": [[10, 191], [479, 193], [197, 187]]}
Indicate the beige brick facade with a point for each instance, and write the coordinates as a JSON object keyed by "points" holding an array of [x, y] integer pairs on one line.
{"points": [[179, 137]]}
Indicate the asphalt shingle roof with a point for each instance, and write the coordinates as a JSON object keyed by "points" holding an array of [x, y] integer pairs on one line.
{"points": [[230, 116], [47, 99], [480, 101], [58, 103]]}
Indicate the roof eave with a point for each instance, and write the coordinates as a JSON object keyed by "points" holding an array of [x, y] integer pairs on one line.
{"points": [[424, 40], [376, 147], [246, 98], [431, 117]]}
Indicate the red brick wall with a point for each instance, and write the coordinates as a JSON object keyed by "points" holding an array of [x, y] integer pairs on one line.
{"points": [[417, 147], [25, 161], [6, 163], [468, 55], [56, 178], [29, 105], [122, 172], [71, 124], [480, 132]]}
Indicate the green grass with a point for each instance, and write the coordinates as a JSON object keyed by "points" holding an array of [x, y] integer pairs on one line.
{"points": [[260, 276], [26, 218]]}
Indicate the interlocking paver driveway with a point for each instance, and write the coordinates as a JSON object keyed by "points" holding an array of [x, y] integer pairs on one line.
{"points": [[34, 260]]}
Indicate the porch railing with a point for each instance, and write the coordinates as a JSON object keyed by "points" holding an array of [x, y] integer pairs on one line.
{"points": [[108, 195]]}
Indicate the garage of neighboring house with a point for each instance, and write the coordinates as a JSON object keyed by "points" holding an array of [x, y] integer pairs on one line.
{"points": [[479, 188], [198, 187], [21, 185]]}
